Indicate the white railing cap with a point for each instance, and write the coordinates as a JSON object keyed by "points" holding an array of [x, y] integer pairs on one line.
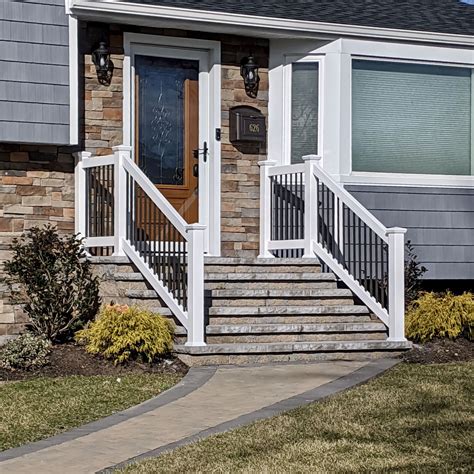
{"points": [[396, 230], [267, 163], [312, 157], [122, 148], [196, 226]]}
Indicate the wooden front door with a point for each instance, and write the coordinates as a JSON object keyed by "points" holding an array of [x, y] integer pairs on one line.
{"points": [[167, 128]]}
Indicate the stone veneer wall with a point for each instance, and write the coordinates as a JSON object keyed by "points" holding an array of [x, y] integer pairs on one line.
{"points": [[37, 182], [36, 188]]}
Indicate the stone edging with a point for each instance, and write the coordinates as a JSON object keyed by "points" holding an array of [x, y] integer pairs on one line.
{"points": [[345, 382], [195, 378]]}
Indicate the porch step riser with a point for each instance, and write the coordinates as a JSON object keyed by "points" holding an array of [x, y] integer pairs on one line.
{"points": [[276, 285], [254, 269], [244, 359], [262, 302], [289, 319], [285, 338], [290, 277]]}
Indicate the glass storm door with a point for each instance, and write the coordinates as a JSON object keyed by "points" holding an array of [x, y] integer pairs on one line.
{"points": [[167, 128]]}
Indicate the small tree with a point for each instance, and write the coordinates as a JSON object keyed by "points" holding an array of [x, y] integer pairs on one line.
{"points": [[413, 273], [51, 276]]}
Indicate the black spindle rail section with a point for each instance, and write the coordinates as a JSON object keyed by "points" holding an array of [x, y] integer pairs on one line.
{"points": [[287, 204], [100, 205], [353, 244], [161, 246]]}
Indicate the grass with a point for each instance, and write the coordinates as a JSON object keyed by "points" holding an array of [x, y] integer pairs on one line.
{"points": [[415, 418], [38, 408]]}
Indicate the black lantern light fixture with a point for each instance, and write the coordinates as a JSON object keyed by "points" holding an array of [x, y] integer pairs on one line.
{"points": [[249, 72], [103, 64]]}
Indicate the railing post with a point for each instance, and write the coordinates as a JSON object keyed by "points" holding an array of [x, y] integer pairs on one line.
{"points": [[265, 208], [121, 153], [80, 192], [310, 205], [196, 234], [396, 283]]}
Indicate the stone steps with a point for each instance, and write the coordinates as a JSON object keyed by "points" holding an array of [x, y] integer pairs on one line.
{"points": [[213, 354], [268, 333], [262, 311]]}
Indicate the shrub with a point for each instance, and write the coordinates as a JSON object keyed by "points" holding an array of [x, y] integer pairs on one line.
{"points": [[55, 282], [441, 315], [26, 352], [413, 273], [122, 332]]}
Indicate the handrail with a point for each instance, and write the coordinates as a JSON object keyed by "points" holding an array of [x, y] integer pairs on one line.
{"points": [[348, 199], [154, 194], [167, 250], [342, 233]]}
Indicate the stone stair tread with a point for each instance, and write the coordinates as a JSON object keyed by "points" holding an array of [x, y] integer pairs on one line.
{"points": [[109, 260], [141, 294], [127, 276], [270, 276], [303, 328], [279, 347], [284, 310], [260, 261], [281, 293]]}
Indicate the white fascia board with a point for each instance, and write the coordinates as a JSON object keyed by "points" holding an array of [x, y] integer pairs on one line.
{"points": [[105, 8]]}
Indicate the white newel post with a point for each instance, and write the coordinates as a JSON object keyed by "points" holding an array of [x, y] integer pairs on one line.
{"points": [[80, 193], [196, 234], [311, 205], [265, 208], [121, 153], [396, 283]]}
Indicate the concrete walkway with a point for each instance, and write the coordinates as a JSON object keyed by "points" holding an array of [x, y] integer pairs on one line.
{"points": [[208, 400]]}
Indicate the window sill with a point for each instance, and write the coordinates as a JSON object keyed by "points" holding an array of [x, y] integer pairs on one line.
{"points": [[400, 179]]}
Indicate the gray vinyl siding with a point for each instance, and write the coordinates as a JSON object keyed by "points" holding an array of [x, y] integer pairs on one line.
{"points": [[34, 72], [440, 224]]}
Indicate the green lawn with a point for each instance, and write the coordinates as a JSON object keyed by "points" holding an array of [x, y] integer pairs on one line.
{"points": [[414, 418], [38, 408]]}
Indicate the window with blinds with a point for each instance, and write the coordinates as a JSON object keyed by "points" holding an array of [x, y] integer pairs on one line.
{"points": [[411, 118], [304, 110]]}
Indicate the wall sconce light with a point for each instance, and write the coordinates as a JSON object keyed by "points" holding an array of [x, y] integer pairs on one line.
{"points": [[249, 72], [103, 64]]}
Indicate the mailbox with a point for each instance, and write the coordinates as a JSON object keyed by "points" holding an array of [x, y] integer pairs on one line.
{"points": [[247, 125]]}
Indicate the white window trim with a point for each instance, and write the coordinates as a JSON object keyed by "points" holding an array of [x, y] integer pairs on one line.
{"points": [[336, 124], [208, 52]]}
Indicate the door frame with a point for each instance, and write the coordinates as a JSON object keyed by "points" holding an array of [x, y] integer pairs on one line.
{"points": [[208, 53]]}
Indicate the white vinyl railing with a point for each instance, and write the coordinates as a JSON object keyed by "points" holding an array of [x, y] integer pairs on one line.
{"points": [[120, 209], [305, 213]]}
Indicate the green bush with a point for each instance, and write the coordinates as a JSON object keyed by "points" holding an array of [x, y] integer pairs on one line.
{"points": [[53, 279], [440, 315], [121, 333], [26, 352]]}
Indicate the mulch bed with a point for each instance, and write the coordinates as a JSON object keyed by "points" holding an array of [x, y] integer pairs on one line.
{"points": [[71, 359], [441, 351]]}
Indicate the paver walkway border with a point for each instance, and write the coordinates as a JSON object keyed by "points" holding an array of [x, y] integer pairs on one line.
{"points": [[195, 378], [353, 379]]}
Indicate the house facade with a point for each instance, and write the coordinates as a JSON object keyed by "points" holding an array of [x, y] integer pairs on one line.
{"points": [[378, 96]]}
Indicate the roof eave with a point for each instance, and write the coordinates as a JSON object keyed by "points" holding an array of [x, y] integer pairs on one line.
{"points": [[160, 16]]}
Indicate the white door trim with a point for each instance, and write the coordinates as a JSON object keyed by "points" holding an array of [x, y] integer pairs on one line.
{"points": [[208, 53]]}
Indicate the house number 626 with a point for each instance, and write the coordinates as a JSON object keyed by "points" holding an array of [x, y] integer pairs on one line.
{"points": [[254, 127]]}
